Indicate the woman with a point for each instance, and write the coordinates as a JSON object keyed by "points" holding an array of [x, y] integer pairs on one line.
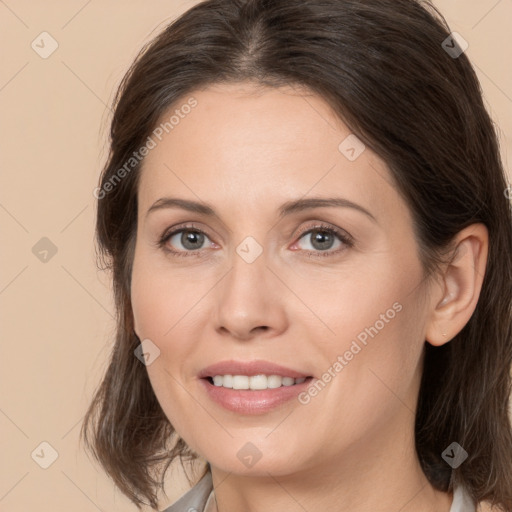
{"points": [[304, 211]]}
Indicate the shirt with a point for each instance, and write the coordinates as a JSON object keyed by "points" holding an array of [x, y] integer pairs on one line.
{"points": [[201, 499]]}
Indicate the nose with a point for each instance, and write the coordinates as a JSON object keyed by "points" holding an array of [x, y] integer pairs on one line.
{"points": [[250, 301]]}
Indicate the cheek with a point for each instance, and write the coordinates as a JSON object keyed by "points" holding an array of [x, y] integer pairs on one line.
{"points": [[160, 314], [371, 373], [151, 305], [167, 312], [160, 301], [363, 304], [377, 320]]}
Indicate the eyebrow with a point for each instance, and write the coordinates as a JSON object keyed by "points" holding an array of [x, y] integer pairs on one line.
{"points": [[286, 209]]}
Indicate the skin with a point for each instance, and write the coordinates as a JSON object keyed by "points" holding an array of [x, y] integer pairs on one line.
{"points": [[246, 150]]}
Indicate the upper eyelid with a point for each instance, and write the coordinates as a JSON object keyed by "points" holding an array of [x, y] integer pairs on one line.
{"points": [[191, 226], [327, 227]]}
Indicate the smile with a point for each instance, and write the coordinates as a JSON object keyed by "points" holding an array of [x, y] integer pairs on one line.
{"points": [[254, 382]]}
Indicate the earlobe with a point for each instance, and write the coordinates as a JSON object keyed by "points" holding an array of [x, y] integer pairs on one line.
{"points": [[460, 285]]}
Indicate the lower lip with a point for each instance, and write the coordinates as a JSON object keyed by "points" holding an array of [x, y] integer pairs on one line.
{"points": [[247, 401]]}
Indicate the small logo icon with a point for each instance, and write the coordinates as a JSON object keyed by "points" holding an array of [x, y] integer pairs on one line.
{"points": [[44, 45], [455, 45], [44, 250], [249, 249], [45, 455], [454, 455], [249, 454], [351, 147], [147, 352]]}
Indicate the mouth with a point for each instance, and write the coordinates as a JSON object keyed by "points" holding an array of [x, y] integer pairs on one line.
{"points": [[253, 387]]}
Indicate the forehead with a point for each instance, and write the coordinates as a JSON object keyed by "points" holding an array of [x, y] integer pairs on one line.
{"points": [[254, 144]]}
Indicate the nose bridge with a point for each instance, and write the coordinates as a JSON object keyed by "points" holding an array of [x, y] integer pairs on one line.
{"points": [[247, 299], [246, 281]]}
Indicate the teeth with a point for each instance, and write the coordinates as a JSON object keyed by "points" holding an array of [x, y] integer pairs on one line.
{"points": [[226, 381], [218, 380], [256, 382], [239, 381], [274, 381]]}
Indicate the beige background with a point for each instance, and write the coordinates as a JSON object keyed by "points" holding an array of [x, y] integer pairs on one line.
{"points": [[57, 316]]}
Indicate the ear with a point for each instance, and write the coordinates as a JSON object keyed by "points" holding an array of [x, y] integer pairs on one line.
{"points": [[456, 295]]}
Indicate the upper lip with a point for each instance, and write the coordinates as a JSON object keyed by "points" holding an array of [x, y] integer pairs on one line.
{"points": [[257, 367]]}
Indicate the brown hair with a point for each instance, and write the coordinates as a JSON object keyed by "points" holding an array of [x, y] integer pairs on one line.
{"points": [[382, 67]]}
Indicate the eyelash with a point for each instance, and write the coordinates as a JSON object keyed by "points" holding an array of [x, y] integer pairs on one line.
{"points": [[344, 237]]}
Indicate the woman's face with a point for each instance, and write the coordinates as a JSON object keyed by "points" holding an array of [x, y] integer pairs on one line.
{"points": [[260, 281]]}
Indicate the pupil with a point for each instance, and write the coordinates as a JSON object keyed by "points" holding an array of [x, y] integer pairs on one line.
{"points": [[320, 236], [189, 238]]}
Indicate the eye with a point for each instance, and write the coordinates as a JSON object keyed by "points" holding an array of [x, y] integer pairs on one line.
{"points": [[322, 238], [189, 237]]}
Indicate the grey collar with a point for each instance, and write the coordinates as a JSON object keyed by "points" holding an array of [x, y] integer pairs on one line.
{"points": [[195, 499]]}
